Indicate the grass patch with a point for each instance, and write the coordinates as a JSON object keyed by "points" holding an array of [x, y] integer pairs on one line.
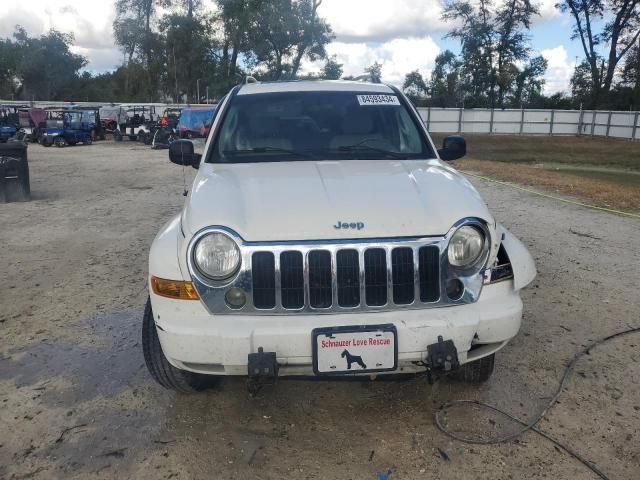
{"points": [[598, 192], [599, 171], [601, 152]]}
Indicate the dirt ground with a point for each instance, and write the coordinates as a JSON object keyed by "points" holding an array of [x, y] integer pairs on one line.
{"points": [[77, 402]]}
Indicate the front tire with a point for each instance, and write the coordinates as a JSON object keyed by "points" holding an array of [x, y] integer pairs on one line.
{"points": [[159, 367], [478, 371]]}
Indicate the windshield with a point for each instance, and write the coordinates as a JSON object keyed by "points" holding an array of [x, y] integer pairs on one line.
{"points": [[290, 126]]}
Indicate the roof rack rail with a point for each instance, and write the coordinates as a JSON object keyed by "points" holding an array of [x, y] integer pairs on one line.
{"points": [[368, 77], [250, 79]]}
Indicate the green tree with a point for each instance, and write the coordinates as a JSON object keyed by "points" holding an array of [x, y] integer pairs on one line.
{"points": [[282, 33], [445, 85], [475, 31], [235, 18], [414, 85], [375, 72], [618, 22], [512, 19], [631, 76], [46, 69], [134, 33], [315, 33], [332, 70], [9, 60], [529, 82], [189, 37]]}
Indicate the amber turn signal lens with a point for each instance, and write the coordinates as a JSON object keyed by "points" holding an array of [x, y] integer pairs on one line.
{"points": [[176, 289]]}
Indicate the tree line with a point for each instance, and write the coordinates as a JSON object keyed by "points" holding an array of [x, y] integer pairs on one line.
{"points": [[497, 69], [176, 50]]}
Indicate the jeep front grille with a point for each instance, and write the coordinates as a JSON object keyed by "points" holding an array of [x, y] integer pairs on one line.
{"points": [[340, 278]]}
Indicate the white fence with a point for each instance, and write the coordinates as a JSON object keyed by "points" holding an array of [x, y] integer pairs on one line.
{"points": [[533, 122]]}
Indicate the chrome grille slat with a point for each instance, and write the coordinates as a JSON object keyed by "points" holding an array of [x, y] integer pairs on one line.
{"points": [[263, 285], [376, 278], [416, 273], [320, 279], [429, 274], [293, 270], [403, 278], [348, 278]]}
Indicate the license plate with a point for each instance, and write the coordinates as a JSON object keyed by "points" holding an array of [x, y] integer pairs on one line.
{"points": [[345, 350]]}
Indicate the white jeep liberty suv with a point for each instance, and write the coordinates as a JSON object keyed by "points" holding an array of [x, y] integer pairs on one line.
{"points": [[325, 235]]}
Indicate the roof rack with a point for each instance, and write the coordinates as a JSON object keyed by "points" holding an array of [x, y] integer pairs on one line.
{"points": [[367, 77]]}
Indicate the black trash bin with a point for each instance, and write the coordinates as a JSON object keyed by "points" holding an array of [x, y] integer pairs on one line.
{"points": [[14, 172]]}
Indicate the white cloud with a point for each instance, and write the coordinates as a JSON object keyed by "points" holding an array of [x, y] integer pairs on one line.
{"points": [[559, 71], [89, 21], [398, 57], [547, 9], [381, 20]]}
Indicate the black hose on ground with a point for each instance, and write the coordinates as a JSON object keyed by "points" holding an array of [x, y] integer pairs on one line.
{"points": [[532, 424]]}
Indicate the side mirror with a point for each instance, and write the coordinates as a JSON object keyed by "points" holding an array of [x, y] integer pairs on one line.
{"points": [[181, 152], [453, 148]]}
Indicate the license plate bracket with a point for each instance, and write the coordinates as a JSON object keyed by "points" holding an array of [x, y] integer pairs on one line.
{"points": [[348, 350]]}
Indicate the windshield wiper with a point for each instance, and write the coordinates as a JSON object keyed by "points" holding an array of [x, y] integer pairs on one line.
{"points": [[361, 147], [266, 150]]}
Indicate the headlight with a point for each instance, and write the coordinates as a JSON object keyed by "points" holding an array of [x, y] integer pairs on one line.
{"points": [[216, 256], [466, 246]]}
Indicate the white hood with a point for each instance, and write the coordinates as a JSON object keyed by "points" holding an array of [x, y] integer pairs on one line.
{"points": [[304, 200]]}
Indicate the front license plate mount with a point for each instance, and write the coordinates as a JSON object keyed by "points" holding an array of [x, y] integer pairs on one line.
{"points": [[349, 350]]}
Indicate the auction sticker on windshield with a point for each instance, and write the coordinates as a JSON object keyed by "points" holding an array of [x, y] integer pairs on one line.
{"points": [[378, 100], [344, 350]]}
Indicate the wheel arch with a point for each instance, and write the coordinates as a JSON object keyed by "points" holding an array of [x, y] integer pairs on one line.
{"points": [[163, 255]]}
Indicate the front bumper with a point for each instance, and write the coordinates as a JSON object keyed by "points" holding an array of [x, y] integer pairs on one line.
{"points": [[194, 340]]}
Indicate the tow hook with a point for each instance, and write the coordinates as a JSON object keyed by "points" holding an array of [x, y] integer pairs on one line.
{"points": [[442, 355], [262, 370]]}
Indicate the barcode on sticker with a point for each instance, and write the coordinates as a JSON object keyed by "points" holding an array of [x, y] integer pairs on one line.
{"points": [[378, 100]]}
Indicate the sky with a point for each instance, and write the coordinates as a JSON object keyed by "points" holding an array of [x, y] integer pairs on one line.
{"points": [[403, 35]]}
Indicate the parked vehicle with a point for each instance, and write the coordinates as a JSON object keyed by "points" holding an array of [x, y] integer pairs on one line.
{"points": [[194, 122], [64, 127], [325, 235], [9, 122], [29, 118], [139, 121], [162, 133], [170, 117], [111, 118], [89, 121], [14, 173]]}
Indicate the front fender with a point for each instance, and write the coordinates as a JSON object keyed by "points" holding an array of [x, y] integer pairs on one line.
{"points": [[163, 255], [524, 268]]}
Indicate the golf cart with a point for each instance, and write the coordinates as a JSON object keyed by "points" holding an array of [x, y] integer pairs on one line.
{"points": [[65, 127], [9, 123], [139, 121], [29, 120], [89, 121], [111, 117], [165, 132]]}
